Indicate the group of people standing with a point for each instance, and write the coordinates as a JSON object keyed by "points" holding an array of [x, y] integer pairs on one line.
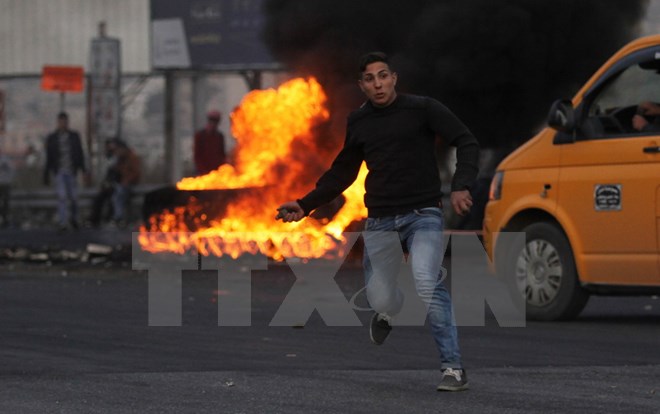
{"points": [[65, 163], [65, 160]]}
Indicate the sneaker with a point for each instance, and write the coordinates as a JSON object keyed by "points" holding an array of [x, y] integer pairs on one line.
{"points": [[453, 380], [379, 328]]}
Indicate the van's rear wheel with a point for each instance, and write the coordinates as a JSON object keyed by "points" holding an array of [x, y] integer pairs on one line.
{"points": [[544, 273]]}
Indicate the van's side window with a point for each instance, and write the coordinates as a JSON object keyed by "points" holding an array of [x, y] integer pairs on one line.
{"points": [[628, 104]]}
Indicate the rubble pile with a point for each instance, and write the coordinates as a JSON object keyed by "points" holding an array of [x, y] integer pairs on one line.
{"points": [[92, 253]]}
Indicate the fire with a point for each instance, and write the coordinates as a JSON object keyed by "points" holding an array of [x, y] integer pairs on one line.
{"points": [[277, 144]]}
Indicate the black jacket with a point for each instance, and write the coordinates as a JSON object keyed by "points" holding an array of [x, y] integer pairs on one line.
{"points": [[53, 153], [398, 144]]}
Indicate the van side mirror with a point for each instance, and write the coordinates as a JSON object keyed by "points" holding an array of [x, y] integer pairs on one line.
{"points": [[562, 116]]}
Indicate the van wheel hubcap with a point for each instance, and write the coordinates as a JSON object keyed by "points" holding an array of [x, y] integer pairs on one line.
{"points": [[539, 272]]}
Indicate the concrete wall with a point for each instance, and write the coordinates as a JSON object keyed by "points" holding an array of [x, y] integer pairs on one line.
{"points": [[34, 33]]}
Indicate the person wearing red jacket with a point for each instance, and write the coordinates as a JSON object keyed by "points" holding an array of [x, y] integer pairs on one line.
{"points": [[209, 145]]}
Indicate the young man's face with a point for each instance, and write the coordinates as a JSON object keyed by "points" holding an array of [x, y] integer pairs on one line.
{"points": [[62, 124], [378, 82]]}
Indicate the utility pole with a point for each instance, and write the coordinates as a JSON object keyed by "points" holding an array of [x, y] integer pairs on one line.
{"points": [[171, 147]]}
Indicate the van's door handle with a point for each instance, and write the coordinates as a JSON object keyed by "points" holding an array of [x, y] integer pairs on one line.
{"points": [[652, 150]]}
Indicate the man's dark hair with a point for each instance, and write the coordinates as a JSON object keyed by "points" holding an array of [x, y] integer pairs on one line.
{"points": [[372, 57], [62, 115]]}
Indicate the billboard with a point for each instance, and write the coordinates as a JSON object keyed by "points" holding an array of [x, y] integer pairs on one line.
{"points": [[208, 34]]}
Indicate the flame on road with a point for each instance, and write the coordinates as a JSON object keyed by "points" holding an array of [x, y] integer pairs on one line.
{"points": [[277, 158]]}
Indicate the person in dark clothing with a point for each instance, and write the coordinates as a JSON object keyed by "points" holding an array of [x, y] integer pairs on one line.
{"points": [[209, 145], [6, 177], [395, 135], [64, 159], [102, 202], [122, 174], [647, 118], [129, 171]]}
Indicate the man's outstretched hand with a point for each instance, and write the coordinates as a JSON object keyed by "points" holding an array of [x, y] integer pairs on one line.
{"points": [[461, 201], [289, 212]]}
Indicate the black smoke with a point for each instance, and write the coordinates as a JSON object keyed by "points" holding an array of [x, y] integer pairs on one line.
{"points": [[498, 64]]}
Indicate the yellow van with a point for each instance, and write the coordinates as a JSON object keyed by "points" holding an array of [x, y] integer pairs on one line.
{"points": [[586, 193]]}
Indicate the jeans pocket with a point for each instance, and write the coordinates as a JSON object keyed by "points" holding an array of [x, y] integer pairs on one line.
{"points": [[429, 212]]}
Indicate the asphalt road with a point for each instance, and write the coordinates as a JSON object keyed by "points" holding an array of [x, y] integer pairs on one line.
{"points": [[79, 342]]}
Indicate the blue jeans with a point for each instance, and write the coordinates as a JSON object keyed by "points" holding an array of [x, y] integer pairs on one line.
{"points": [[119, 201], [67, 193], [420, 233]]}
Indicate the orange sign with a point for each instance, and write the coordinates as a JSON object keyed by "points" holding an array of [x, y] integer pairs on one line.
{"points": [[62, 78]]}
